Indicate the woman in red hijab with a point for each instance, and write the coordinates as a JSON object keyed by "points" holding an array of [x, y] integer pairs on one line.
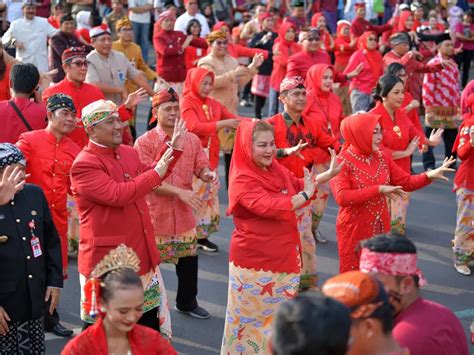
{"points": [[284, 47], [324, 107], [400, 140], [204, 116], [367, 178], [344, 45], [463, 243], [361, 86], [319, 21], [264, 258]]}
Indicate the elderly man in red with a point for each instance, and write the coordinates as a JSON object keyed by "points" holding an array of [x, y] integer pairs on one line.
{"points": [[171, 205], [110, 184], [361, 25], [298, 140], [299, 63], [49, 154]]}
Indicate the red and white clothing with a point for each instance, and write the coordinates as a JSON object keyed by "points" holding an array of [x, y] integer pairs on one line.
{"points": [[49, 162]]}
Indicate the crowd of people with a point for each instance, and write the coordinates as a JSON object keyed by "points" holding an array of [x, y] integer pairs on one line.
{"points": [[348, 84]]}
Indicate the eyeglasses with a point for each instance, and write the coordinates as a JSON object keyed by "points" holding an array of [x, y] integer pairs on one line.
{"points": [[79, 64], [312, 39], [221, 43], [126, 30]]}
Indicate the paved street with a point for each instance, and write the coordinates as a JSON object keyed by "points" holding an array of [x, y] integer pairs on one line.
{"points": [[431, 225]]}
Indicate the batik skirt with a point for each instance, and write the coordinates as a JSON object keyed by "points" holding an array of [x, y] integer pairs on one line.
{"points": [[319, 204], [309, 274], [207, 217], [155, 296], [463, 243], [398, 207], [174, 247], [253, 298], [24, 338], [73, 225]]}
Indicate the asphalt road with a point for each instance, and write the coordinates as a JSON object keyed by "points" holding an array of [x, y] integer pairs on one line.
{"points": [[431, 225]]}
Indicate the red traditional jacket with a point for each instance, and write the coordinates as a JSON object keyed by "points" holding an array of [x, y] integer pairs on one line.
{"points": [[142, 341], [49, 162], [465, 175], [110, 186]]}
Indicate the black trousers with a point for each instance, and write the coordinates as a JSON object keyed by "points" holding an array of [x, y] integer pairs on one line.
{"points": [[227, 160], [148, 319], [187, 272], [463, 60], [259, 103], [449, 136]]}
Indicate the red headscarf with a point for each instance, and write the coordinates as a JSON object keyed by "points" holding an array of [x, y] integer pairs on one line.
{"points": [[373, 55], [402, 20], [314, 78], [315, 19], [358, 132], [244, 172], [467, 120], [193, 81], [164, 15], [285, 26], [340, 26], [219, 25]]}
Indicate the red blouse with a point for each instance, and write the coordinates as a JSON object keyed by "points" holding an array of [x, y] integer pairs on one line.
{"points": [[465, 174], [363, 210], [397, 142]]}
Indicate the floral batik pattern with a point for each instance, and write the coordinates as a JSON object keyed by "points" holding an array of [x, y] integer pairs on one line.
{"points": [[309, 274], [319, 204], [398, 207], [253, 298], [207, 217], [172, 248], [73, 225], [463, 243]]}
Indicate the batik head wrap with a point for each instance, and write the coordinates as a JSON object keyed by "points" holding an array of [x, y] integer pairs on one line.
{"points": [[395, 264], [293, 82], [99, 31], [165, 95], [215, 35], [98, 111], [122, 23], [10, 154], [57, 101], [73, 52]]}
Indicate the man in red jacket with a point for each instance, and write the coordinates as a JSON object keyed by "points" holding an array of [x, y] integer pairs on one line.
{"points": [[361, 25], [110, 184], [49, 154]]}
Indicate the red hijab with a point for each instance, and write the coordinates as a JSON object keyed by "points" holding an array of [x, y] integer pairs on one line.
{"points": [[340, 26], [402, 20], [467, 120], [192, 84], [358, 132], [164, 15], [315, 19], [314, 79], [285, 26], [219, 25], [244, 172], [373, 55]]}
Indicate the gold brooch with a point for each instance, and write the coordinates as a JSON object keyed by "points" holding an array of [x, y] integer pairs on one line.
{"points": [[397, 130]]}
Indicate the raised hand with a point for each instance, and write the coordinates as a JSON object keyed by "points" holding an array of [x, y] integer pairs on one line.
{"points": [[392, 191], [13, 180], [412, 146], [134, 98], [309, 183], [162, 166], [296, 150], [438, 173], [436, 136], [257, 61], [334, 169], [177, 141]]}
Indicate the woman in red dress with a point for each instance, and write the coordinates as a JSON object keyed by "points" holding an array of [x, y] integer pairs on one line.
{"points": [[367, 178], [117, 290], [325, 108], [264, 258], [400, 139], [205, 116]]}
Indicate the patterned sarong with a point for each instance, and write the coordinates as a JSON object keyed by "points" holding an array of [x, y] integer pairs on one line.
{"points": [[463, 242], [24, 338], [253, 299], [173, 247], [309, 274]]}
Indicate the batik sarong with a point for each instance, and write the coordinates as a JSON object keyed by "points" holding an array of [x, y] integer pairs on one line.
{"points": [[253, 298]]}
